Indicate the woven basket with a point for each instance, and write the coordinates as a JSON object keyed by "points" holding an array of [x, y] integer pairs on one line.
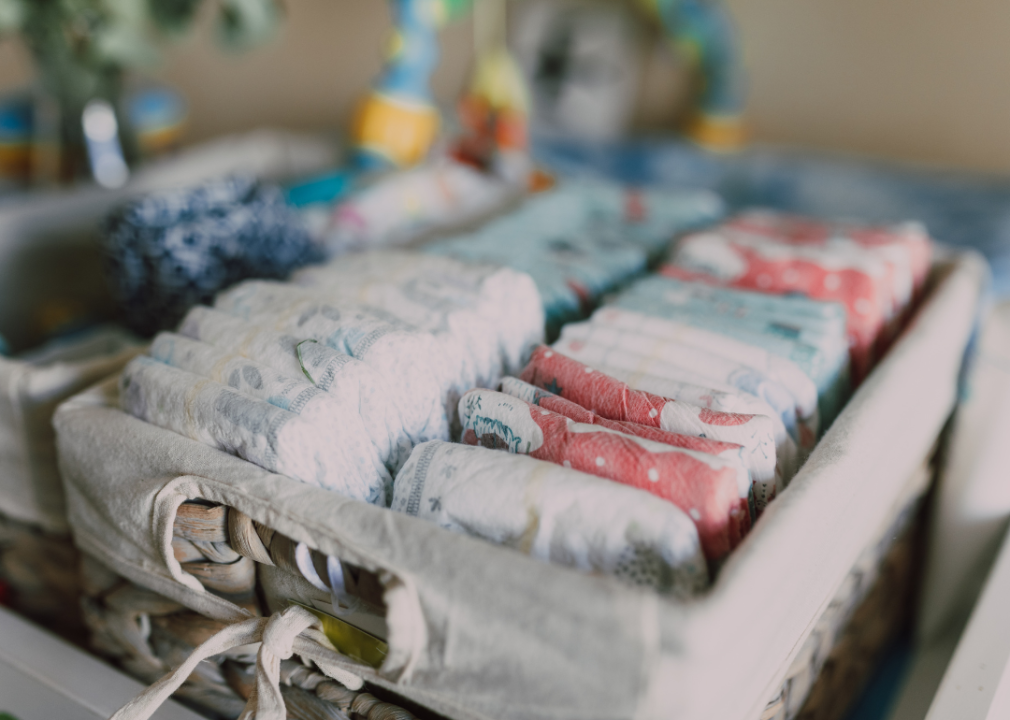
{"points": [[788, 630], [39, 578], [37, 559], [221, 546], [147, 635]]}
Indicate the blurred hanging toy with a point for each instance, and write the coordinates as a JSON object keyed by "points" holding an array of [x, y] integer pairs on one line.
{"points": [[702, 30], [397, 124], [15, 138], [485, 167], [80, 123], [494, 113], [582, 61]]}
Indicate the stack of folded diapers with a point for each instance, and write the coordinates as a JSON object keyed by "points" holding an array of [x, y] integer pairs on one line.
{"points": [[584, 239], [643, 444]]}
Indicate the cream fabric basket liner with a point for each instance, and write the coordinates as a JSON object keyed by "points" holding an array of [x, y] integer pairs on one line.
{"points": [[30, 488], [478, 631]]}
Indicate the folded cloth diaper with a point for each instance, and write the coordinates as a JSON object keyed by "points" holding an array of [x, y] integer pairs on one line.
{"points": [[703, 304], [394, 423], [875, 278], [728, 400], [494, 312], [264, 434], [905, 249], [712, 491], [335, 414], [555, 514], [412, 362], [582, 240], [612, 399], [645, 373], [710, 366], [859, 280], [807, 332], [650, 217], [571, 270], [555, 403], [778, 369], [907, 244], [460, 361]]}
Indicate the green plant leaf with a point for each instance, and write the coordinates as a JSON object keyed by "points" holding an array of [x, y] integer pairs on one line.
{"points": [[173, 16], [122, 36], [12, 16], [244, 23]]}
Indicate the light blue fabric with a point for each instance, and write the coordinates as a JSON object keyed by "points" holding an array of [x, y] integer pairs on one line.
{"points": [[798, 316], [583, 240], [808, 332]]}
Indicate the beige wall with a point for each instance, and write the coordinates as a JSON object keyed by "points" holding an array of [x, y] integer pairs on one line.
{"points": [[310, 77], [924, 80]]}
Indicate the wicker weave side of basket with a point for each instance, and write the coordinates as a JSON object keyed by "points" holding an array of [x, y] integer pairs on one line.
{"points": [[39, 578], [148, 635], [220, 546]]}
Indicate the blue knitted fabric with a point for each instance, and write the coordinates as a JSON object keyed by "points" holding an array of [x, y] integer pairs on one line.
{"points": [[169, 251]]}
